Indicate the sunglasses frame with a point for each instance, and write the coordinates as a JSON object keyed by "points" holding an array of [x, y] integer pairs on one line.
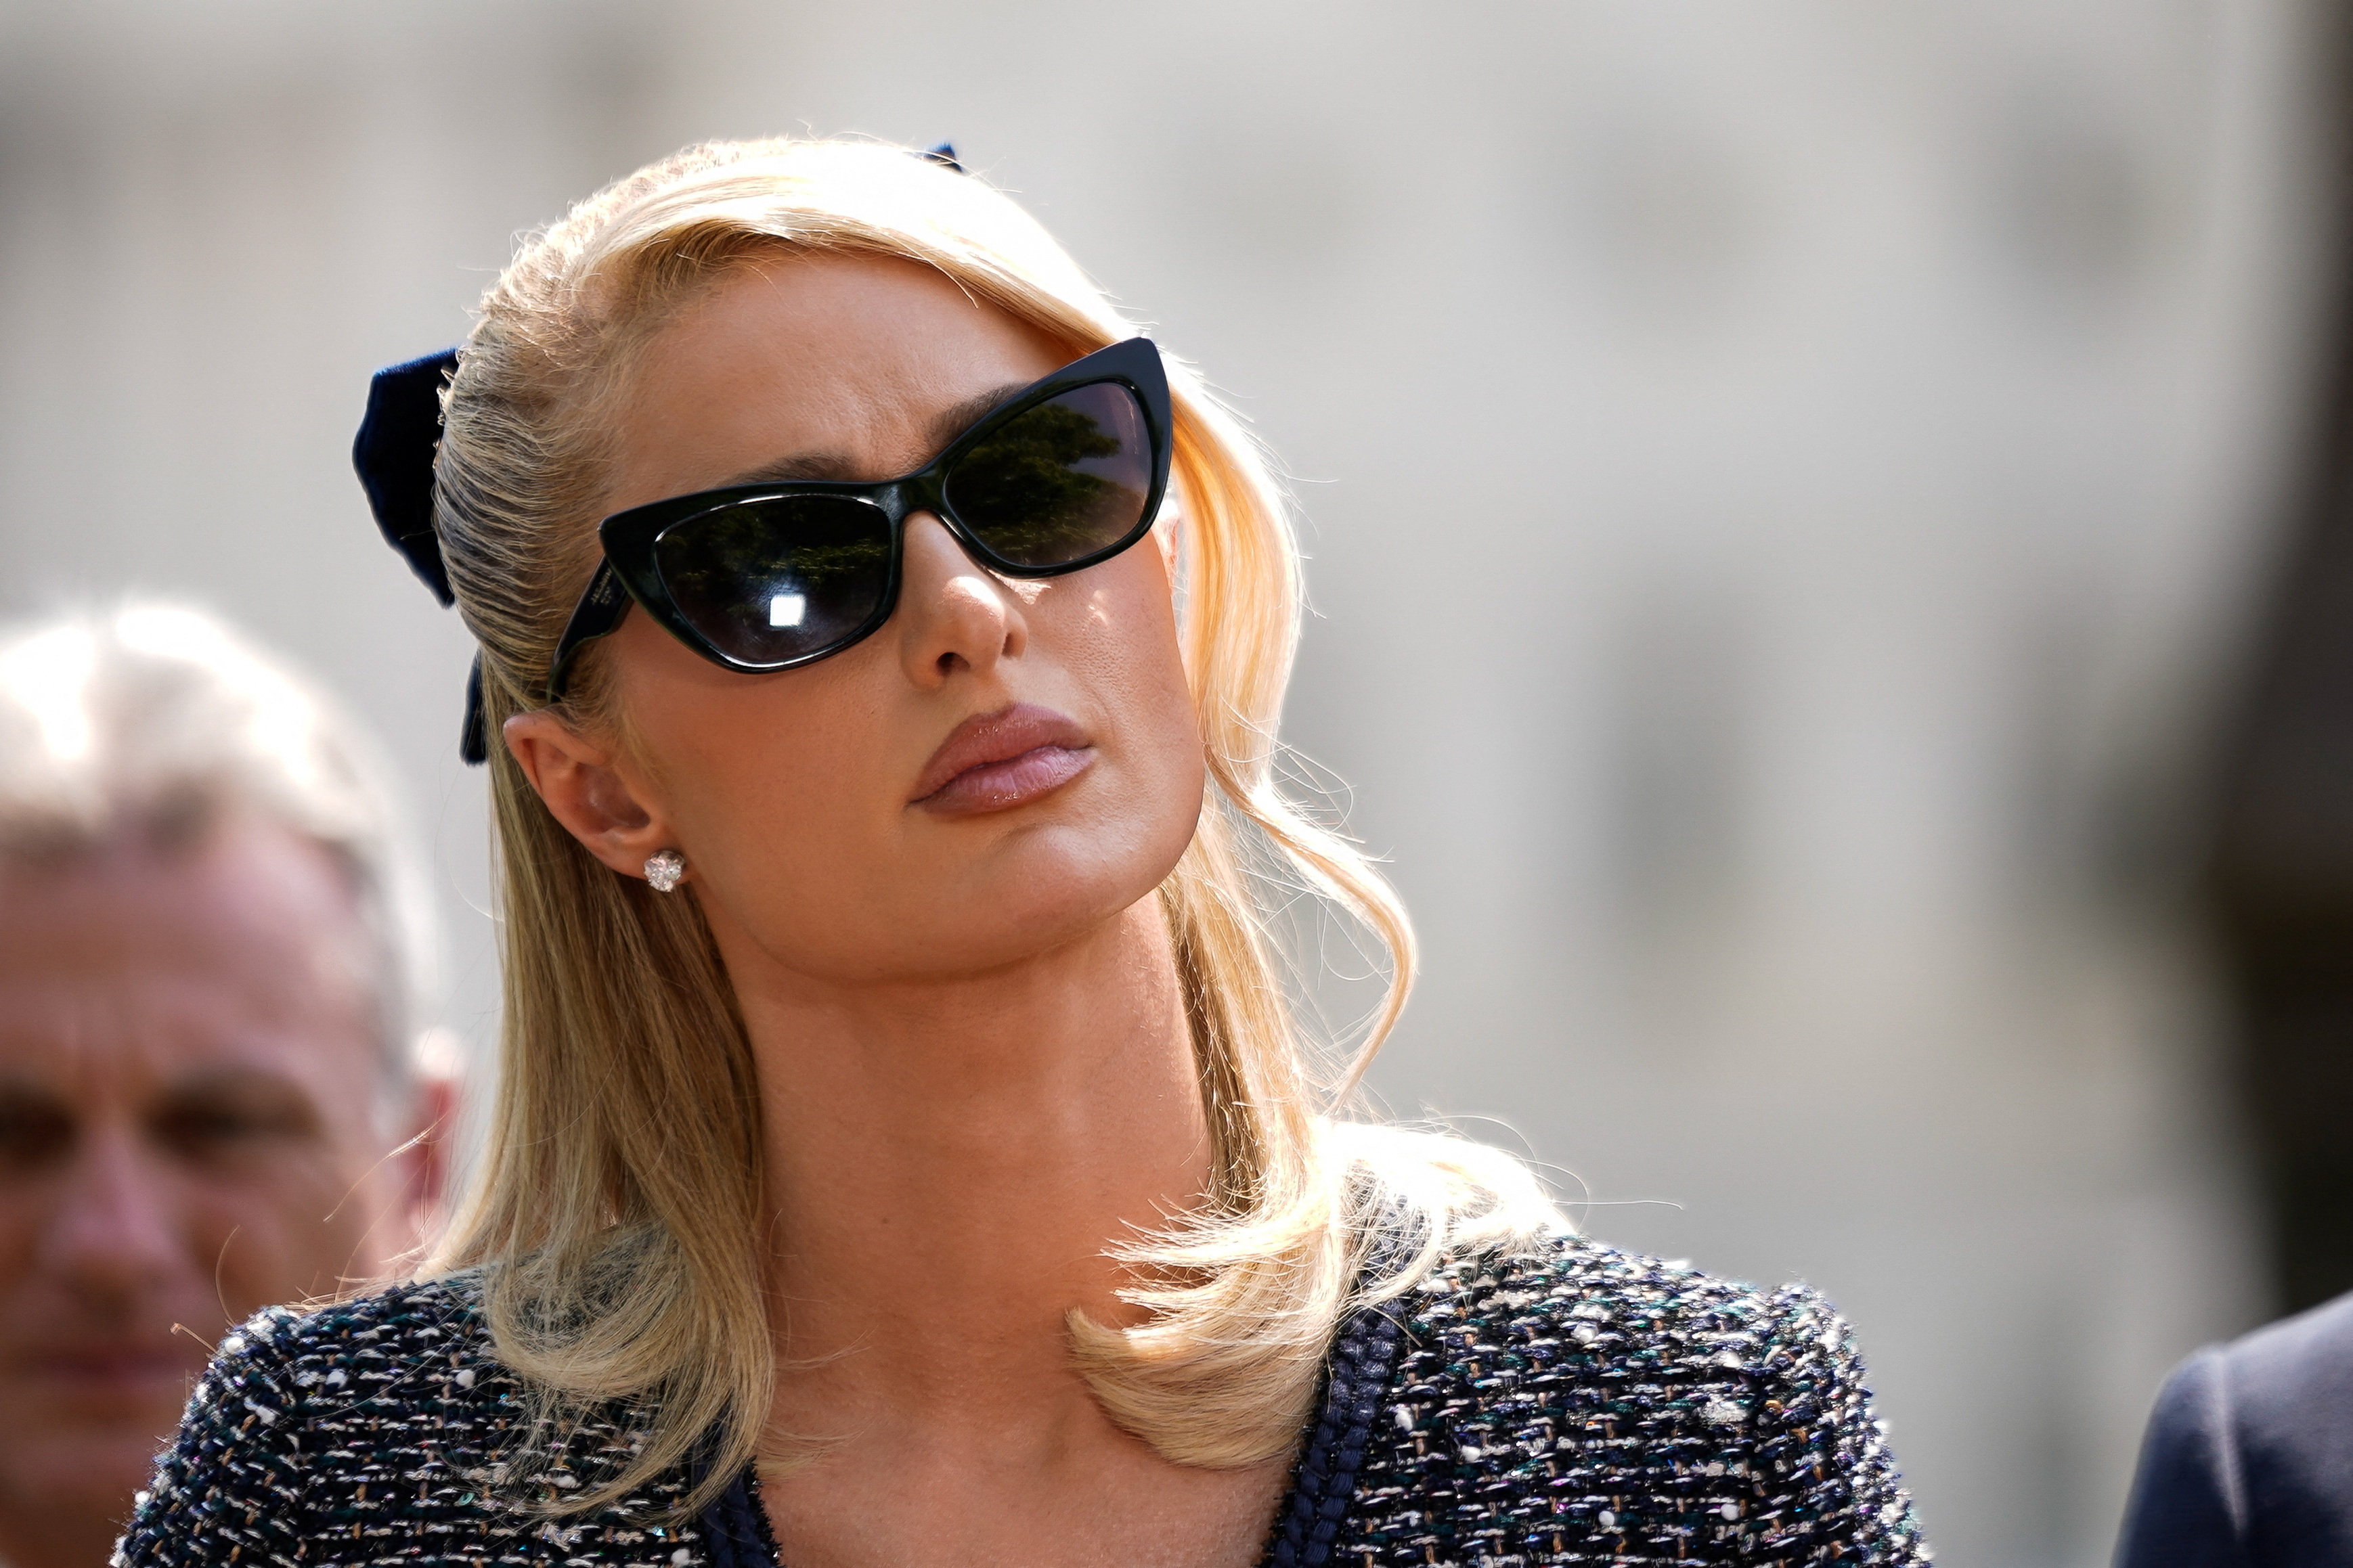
{"points": [[629, 576]]}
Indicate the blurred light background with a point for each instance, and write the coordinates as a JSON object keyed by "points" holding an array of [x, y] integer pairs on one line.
{"points": [[1792, 488]]}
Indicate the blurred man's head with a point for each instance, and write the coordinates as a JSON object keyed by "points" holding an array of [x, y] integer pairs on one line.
{"points": [[207, 1096]]}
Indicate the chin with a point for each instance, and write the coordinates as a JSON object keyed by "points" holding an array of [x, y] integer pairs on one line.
{"points": [[1066, 876], [1041, 890], [1026, 922]]}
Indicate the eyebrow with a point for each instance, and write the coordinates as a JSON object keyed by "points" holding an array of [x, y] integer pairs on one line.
{"points": [[945, 426], [954, 422]]}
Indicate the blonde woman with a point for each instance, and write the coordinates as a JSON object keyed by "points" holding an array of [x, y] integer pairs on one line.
{"points": [[903, 1154]]}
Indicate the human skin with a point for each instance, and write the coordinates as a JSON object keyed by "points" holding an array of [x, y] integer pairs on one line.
{"points": [[974, 1069], [192, 1127]]}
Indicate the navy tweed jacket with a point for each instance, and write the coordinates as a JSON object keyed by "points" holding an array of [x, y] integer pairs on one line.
{"points": [[1568, 1405]]}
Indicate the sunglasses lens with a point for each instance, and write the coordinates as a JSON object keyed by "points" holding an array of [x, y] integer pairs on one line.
{"points": [[777, 579], [1059, 482]]}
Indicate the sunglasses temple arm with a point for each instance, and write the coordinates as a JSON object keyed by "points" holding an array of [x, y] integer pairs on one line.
{"points": [[474, 738], [598, 613]]}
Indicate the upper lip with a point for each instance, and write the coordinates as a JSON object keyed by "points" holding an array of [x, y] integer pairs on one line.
{"points": [[999, 737]]}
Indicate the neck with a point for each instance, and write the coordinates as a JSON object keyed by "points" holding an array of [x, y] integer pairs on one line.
{"points": [[947, 1162]]}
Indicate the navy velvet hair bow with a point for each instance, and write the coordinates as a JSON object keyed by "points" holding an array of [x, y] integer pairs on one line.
{"points": [[393, 454]]}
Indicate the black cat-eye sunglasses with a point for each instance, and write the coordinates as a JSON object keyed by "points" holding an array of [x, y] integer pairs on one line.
{"points": [[1065, 473]]}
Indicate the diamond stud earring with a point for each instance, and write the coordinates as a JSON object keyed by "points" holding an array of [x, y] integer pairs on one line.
{"points": [[665, 868]]}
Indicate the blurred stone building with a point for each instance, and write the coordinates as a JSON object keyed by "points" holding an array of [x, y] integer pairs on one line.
{"points": [[1788, 489]]}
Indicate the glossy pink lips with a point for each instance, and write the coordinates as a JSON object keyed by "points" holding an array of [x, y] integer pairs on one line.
{"points": [[993, 761]]}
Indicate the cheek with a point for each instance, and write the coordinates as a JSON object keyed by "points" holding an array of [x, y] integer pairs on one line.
{"points": [[293, 1216], [1123, 646], [214, 1248], [788, 794], [790, 778], [297, 1231], [24, 1205]]}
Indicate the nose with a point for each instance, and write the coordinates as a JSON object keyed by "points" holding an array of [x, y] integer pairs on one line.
{"points": [[110, 1236], [954, 613]]}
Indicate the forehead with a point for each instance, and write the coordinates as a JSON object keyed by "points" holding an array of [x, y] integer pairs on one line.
{"points": [[138, 964], [852, 357]]}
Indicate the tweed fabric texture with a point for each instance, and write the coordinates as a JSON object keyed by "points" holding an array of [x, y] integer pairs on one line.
{"points": [[382, 1430], [1570, 1405], [1580, 1404]]}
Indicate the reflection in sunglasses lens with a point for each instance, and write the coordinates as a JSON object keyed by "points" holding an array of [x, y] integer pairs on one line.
{"points": [[1060, 481], [777, 579]]}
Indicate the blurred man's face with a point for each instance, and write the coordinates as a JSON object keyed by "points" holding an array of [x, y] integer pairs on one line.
{"points": [[192, 1127]]}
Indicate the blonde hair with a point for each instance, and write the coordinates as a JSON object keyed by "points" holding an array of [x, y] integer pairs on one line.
{"points": [[616, 1208]]}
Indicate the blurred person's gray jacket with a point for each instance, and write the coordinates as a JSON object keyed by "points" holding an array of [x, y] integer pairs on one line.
{"points": [[2249, 1456]]}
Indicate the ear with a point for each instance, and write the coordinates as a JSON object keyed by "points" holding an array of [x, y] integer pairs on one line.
{"points": [[425, 1161], [418, 1168], [597, 795]]}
